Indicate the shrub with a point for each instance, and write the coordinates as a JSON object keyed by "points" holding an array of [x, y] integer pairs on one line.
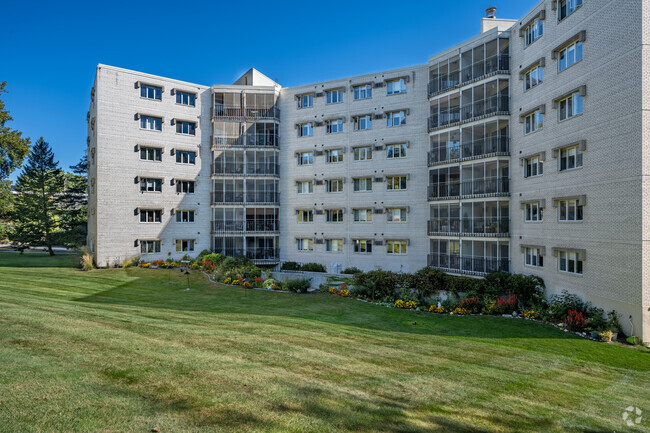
{"points": [[214, 259], [379, 284], [505, 304], [351, 270], [194, 266], [87, 261], [312, 267], [408, 305], [429, 281], [399, 304], [135, 260], [300, 285], [290, 266], [473, 304], [575, 321], [269, 283], [127, 263], [613, 321]]}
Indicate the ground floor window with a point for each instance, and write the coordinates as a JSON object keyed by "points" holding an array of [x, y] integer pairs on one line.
{"points": [[183, 245]]}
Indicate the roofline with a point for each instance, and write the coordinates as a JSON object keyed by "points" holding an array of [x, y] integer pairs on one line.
{"points": [[143, 74]]}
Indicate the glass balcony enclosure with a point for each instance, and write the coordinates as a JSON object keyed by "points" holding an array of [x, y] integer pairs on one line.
{"points": [[245, 162], [476, 218], [468, 256], [470, 142], [251, 133], [485, 178]]}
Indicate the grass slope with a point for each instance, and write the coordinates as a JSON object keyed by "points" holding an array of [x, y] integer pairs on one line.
{"points": [[129, 350]]}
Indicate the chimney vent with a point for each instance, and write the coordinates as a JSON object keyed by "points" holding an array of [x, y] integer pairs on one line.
{"points": [[491, 12]]}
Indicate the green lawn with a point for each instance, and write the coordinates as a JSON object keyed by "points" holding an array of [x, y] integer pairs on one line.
{"points": [[130, 350]]}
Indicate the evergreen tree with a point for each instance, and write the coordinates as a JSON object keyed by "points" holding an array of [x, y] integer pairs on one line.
{"points": [[74, 206], [36, 209]]}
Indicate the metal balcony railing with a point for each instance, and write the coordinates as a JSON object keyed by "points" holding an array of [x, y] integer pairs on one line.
{"points": [[493, 105], [470, 149], [476, 187], [473, 265], [249, 197], [266, 255], [249, 140], [475, 71], [245, 226], [227, 168], [483, 226], [239, 112]]}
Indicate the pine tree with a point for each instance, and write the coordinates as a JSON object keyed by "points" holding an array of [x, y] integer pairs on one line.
{"points": [[36, 209], [74, 206]]}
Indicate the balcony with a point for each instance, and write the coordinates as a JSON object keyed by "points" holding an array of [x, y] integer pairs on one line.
{"points": [[250, 140], [466, 150], [472, 265], [485, 226], [491, 106], [243, 198], [222, 227], [239, 112], [484, 187], [474, 72], [233, 169], [258, 255]]}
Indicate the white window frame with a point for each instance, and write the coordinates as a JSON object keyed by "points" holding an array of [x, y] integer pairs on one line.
{"points": [[306, 158], [185, 157], [185, 186], [533, 257], [147, 91], [305, 216], [304, 187], [362, 92], [306, 101], [396, 118], [334, 156], [569, 7], [362, 246], [396, 183], [567, 155], [305, 244], [183, 127], [400, 211], [569, 107], [396, 247], [334, 126], [334, 245], [569, 56], [363, 123], [571, 209], [185, 98], [149, 247], [151, 184], [396, 87], [396, 151], [153, 154], [533, 122], [334, 96], [363, 153], [150, 123], [533, 77], [533, 31], [566, 260], [155, 215], [330, 213], [533, 166], [362, 184], [533, 212], [185, 216], [334, 186], [185, 245], [362, 215], [306, 129]]}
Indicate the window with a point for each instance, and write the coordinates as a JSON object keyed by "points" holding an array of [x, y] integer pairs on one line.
{"points": [[334, 96], [334, 215], [150, 153], [569, 262], [334, 155], [569, 56], [334, 245], [305, 129], [334, 185], [533, 212], [394, 183], [396, 118], [334, 126], [362, 184], [396, 247], [306, 216], [150, 215], [185, 98], [183, 245], [570, 158], [394, 87], [362, 246], [185, 186], [185, 128], [185, 157], [305, 158], [533, 31], [396, 215], [362, 215], [533, 77], [567, 7], [305, 101], [149, 247], [533, 166], [150, 185], [305, 187], [363, 92], [150, 92], [533, 257], [569, 210], [362, 153], [396, 151], [151, 123], [569, 107], [362, 123], [533, 122], [184, 216], [305, 244]]}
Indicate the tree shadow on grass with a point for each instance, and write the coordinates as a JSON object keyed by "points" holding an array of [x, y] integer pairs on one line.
{"points": [[38, 260]]}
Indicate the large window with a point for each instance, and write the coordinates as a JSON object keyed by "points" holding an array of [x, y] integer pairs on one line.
{"points": [[306, 216], [362, 215], [305, 158], [334, 155], [363, 246], [334, 96], [396, 247], [185, 98], [396, 118], [150, 184], [396, 215], [305, 187], [396, 151], [533, 166], [185, 216], [570, 158], [533, 77], [569, 261], [569, 107], [569, 210], [362, 153], [334, 215], [334, 245], [185, 157], [569, 56], [533, 31], [149, 247], [533, 122], [150, 215], [151, 123], [305, 129], [362, 184], [305, 244], [533, 257], [185, 128], [184, 245], [334, 185], [363, 92], [362, 123], [533, 212], [567, 7], [185, 186], [395, 183], [150, 153], [334, 126], [306, 101], [151, 92], [394, 87]]}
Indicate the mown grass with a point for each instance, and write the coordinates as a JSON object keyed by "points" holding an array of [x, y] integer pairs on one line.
{"points": [[128, 350]]}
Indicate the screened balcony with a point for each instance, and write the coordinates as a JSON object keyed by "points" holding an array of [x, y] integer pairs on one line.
{"points": [[471, 142], [473, 257], [480, 179], [487, 226], [225, 168], [259, 249], [245, 134], [240, 191], [245, 105]]}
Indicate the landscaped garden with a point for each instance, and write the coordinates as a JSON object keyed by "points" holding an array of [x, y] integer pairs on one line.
{"points": [[131, 349]]}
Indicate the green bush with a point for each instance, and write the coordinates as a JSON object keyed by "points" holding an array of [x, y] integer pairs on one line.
{"points": [[213, 258], [300, 285], [290, 266], [312, 267], [379, 284], [351, 270], [429, 281], [560, 305]]}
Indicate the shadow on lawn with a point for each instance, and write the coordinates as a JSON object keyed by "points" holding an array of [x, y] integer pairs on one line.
{"points": [[38, 260]]}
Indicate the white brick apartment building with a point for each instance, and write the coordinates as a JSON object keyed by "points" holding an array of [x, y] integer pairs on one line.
{"points": [[519, 149]]}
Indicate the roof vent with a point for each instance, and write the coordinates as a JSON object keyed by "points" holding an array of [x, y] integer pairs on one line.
{"points": [[491, 12]]}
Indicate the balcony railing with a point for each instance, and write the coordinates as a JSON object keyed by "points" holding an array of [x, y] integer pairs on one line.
{"points": [[239, 112], [250, 140], [249, 197], [246, 169], [476, 187], [497, 104], [245, 226], [469, 73], [485, 226], [473, 265], [493, 146], [263, 255]]}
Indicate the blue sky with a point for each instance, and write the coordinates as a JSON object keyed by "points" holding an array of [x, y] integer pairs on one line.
{"points": [[51, 49]]}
